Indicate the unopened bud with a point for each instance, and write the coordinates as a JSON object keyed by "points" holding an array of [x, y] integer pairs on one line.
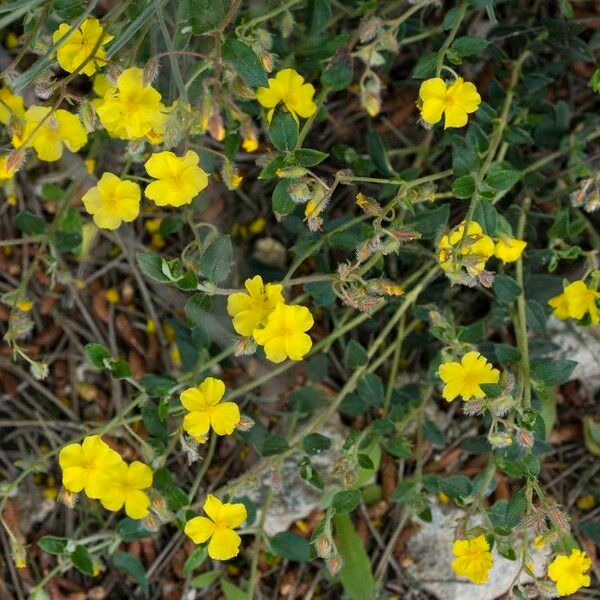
{"points": [[384, 286], [525, 438], [231, 179], [291, 172], [249, 136], [370, 206], [246, 423], [15, 161], [150, 71], [245, 346], [405, 235], [15, 127], [216, 127], [369, 30], [334, 564], [559, 517], [19, 554], [69, 499], [87, 115], [371, 103], [299, 191], [349, 478], [39, 370], [266, 58], [323, 546], [499, 440], [151, 523]]}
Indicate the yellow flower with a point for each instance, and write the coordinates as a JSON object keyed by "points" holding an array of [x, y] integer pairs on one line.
{"points": [[180, 179], [58, 129], [454, 100], [125, 488], [223, 518], [88, 466], [206, 410], [569, 572], [80, 46], [576, 301], [25, 305], [132, 109], [475, 248], [250, 143], [288, 87], [586, 502], [102, 85], [464, 378], [251, 310], [112, 201], [11, 41], [539, 542], [473, 559], [284, 334], [112, 295], [509, 249], [90, 165], [11, 105]]}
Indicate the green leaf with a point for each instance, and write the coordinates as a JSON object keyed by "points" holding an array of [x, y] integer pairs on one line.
{"points": [[397, 447], [338, 74], [206, 15], [245, 62], [97, 354], [468, 45], [346, 501], [306, 157], [120, 368], [204, 580], [425, 66], [195, 559], [157, 386], [507, 354], [68, 10], [592, 530], [171, 224], [82, 560], [283, 130], [30, 223], [132, 566], [291, 546], [356, 576], [319, 14], [321, 292], [552, 372], [463, 187], [487, 216], [274, 444], [152, 422], [429, 221], [315, 443], [151, 265], [132, 529], [501, 178], [455, 485], [196, 308], [281, 200], [216, 261], [506, 515], [53, 544], [378, 152], [506, 288], [355, 355], [591, 435], [370, 388], [232, 592]]}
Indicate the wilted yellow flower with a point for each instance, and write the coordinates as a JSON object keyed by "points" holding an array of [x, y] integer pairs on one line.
{"points": [[251, 310], [223, 518], [132, 109], [125, 488], [80, 46], [509, 249], [570, 572], [11, 105], [112, 201], [473, 559], [6, 171], [61, 128], [575, 302], [464, 378], [88, 466], [206, 410], [454, 100], [179, 178], [289, 88], [474, 250], [284, 334]]}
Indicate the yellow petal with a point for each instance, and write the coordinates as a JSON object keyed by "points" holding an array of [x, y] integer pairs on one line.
{"points": [[224, 544], [199, 529], [224, 417]]}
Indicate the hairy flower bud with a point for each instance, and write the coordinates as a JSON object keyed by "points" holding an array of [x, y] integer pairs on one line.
{"points": [[334, 564], [246, 423], [69, 499], [245, 346], [323, 546]]}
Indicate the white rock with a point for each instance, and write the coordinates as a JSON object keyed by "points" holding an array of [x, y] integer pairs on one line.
{"points": [[430, 550]]}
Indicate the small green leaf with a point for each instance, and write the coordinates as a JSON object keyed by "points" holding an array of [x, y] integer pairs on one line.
{"points": [[468, 45], [245, 62], [291, 546], [53, 544], [216, 261], [552, 372], [455, 485], [346, 501], [274, 444], [283, 130], [355, 355], [205, 579], [506, 288], [206, 15], [315, 443], [82, 560], [132, 566], [463, 187], [306, 157], [194, 560], [30, 223]]}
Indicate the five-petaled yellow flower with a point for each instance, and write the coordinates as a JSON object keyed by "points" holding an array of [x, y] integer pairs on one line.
{"points": [[509, 249], [464, 378], [289, 88], [132, 109], [570, 572], [48, 133], [471, 250], [206, 410], [223, 518], [112, 201], [126, 486], [11, 106], [453, 100], [575, 302], [82, 44], [284, 334], [251, 310], [88, 466], [179, 178], [473, 559]]}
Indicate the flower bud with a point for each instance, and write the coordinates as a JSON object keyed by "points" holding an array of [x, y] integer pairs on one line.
{"points": [[349, 478], [150, 72], [323, 546], [369, 206], [216, 127], [19, 554], [69, 499], [334, 564], [291, 172], [231, 179], [245, 346], [525, 438], [266, 58], [87, 114], [299, 191], [246, 423]]}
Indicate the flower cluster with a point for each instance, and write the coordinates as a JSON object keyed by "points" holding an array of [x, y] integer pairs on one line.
{"points": [[262, 314], [470, 250], [577, 301], [100, 472]]}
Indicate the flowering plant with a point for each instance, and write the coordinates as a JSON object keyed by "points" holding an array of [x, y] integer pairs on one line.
{"points": [[293, 282]]}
